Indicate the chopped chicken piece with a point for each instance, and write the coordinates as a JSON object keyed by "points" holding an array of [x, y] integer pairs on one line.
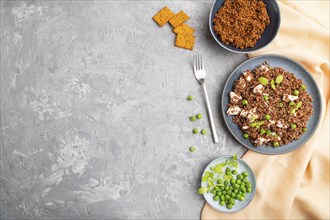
{"points": [[252, 115], [271, 122], [244, 113], [234, 110], [288, 98], [259, 141], [245, 127], [264, 67], [280, 125], [234, 97], [247, 75], [258, 89]]}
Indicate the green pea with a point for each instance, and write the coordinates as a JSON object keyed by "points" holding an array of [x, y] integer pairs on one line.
{"points": [[236, 186], [246, 136], [222, 203], [262, 131], [199, 116], [225, 183], [238, 181], [195, 131], [280, 104], [192, 149], [213, 191], [203, 132], [296, 92], [192, 118], [292, 103], [239, 176], [304, 129], [244, 102], [216, 198], [217, 188], [245, 180], [248, 185], [219, 181], [293, 126], [232, 201], [231, 187], [232, 181], [244, 174], [229, 206], [235, 191], [267, 117], [227, 197], [226, 188], [218, 193], [222, 188], [268, 132], [241, 198], [234, 172], [190, 98], [233, 195], [222, 197], [229, 192], [248, 190], [276, 144], [303, 87], [266, 98]]}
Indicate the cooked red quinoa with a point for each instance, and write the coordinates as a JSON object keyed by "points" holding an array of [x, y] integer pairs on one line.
{"points": [[241, 22], [286, 102]]}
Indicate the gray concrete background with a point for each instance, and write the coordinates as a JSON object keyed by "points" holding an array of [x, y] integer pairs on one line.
{"points": [[94, 115]]}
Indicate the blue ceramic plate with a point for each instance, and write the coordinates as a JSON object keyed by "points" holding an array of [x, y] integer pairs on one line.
{"points": [[300, 73], [242, 166], [268, 35]]}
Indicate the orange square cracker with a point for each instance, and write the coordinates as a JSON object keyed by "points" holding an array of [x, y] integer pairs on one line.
{"points": [[184, 29], [163, 16], [185, 41], [179, 18]]}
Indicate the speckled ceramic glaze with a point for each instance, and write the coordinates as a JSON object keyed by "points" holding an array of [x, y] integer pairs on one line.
{"points": [[300, 73], [268, 35]]}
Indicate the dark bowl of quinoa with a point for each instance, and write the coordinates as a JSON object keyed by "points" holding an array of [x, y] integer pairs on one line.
{"points": [[246, 26], [300, 73]]}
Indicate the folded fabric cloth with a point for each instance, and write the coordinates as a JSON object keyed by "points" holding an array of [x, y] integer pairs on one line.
{"points": [[295, 185]]}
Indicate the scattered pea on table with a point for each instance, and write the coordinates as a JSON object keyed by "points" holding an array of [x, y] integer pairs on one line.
{"points": [[190, 98]]}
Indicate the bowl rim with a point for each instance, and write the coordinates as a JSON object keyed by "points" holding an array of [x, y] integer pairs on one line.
{"points": [[243, 50]]}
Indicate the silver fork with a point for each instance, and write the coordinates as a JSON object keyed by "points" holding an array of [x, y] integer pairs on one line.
{"points": [[200, 76]]}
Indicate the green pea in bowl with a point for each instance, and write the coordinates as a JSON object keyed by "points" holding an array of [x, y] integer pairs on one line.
{"points": [[228, 184]]}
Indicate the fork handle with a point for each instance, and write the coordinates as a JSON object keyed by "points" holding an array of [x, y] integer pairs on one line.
{"points": [[209, 112]]}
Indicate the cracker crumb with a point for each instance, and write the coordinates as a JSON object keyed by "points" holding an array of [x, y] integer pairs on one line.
{"points": [[163, 16], [179, 18], [185, 41]]}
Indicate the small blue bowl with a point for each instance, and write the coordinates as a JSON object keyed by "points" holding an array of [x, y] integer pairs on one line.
{"points": [[268, 35]]}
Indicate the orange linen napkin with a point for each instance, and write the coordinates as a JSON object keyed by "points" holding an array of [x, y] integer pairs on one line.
{"points": [[295, 185]]}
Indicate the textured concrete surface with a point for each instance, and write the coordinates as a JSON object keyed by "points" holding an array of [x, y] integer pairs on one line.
{"points": [[94, 117]]}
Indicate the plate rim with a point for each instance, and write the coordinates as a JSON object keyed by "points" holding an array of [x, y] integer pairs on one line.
{"points": [[270, 56], [253, 177]]}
